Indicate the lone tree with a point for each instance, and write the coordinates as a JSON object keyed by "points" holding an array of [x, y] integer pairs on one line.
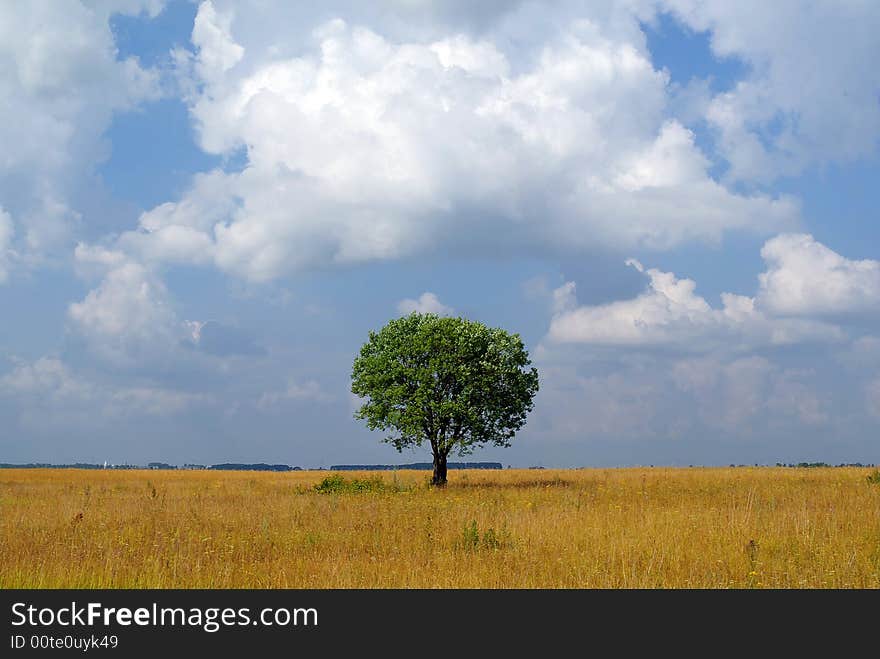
{"points": [[450, 382]]}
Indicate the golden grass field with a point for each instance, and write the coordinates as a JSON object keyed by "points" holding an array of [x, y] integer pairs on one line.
{"points": [[740, 527]]}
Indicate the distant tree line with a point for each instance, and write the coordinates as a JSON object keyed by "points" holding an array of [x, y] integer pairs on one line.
{"points": [[261, 466], [228, 466], [821, 464], [232, 466], [75, 465], [417, 465]]}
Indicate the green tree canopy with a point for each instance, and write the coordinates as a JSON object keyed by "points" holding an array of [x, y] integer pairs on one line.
{"points": [[449, 382]]}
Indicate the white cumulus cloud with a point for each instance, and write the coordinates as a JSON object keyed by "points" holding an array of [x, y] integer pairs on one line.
{"points": [[670, 312], [427, 302], [211, 36], [128, 316], [368, 142], [61, 82], [810, 94], [805, 277]]}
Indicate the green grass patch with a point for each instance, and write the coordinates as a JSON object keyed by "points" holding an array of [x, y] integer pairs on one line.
{"points": [[339, 484], [472, 540]]}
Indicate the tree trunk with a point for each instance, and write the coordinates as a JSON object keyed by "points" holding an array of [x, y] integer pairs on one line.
{"points": [[439, 478]]}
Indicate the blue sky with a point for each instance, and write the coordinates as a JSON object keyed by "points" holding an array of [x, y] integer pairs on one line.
{"points": [[206, 207]]}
